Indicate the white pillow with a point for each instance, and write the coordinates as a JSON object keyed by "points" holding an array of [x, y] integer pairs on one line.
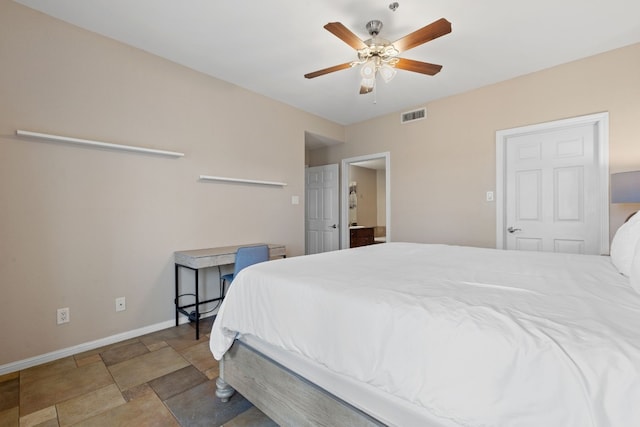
{"points": [[634, 278], [623, 246]]}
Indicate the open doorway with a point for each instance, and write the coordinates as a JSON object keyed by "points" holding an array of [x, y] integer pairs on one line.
{"points": [[365, 207]]}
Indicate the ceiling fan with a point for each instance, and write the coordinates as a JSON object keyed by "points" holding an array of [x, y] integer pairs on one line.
{"points": [[379, 56]]}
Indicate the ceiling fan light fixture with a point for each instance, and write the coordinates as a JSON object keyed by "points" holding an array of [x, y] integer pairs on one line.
{"points": [[390, 51], [364, 53], [387, 72], [367, 85], [368, 70]]}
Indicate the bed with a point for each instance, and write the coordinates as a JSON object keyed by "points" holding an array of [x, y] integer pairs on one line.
{"points": [[414, 334]]}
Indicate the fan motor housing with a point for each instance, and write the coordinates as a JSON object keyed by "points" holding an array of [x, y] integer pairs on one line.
{"points": [[374, 27]]}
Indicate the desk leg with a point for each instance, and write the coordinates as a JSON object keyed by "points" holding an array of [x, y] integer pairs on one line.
{"points": [[176, 300], [197, 308]]}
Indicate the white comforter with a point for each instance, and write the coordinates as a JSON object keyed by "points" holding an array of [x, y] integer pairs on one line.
{"points": [[478, 337]]}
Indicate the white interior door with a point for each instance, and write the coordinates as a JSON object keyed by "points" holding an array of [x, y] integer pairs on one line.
{"points": [[553, 197], [322, 211]]}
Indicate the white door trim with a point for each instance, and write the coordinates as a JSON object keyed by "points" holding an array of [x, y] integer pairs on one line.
{"points": [[601, 123], [344, 209]]}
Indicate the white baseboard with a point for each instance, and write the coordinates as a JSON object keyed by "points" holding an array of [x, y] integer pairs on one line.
{"points": [[80, 348]]}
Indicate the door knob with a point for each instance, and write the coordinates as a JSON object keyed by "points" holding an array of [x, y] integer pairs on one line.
{"points": [[333, 226], [513, 230]]}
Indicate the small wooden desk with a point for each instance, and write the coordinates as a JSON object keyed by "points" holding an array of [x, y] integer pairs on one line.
{"points": [[204, 258]]}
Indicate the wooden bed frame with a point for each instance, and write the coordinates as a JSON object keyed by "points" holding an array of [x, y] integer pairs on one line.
{"points": [[284, 396]]}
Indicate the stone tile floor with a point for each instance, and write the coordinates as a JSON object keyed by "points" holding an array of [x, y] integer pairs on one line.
{"points": [[166, 378]]}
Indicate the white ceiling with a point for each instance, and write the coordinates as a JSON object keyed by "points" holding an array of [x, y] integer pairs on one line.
{"points": [[267, 46]]}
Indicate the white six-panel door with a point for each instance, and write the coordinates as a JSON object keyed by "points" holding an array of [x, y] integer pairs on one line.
{"points": [[322, 209], [553, 185]]}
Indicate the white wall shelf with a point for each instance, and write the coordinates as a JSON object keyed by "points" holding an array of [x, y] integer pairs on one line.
{"points": [[242, 181], [57, 138]]}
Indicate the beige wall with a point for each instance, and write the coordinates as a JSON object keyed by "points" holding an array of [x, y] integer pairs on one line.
{"points": [[441, 167], [82, 226], [367, 194]]}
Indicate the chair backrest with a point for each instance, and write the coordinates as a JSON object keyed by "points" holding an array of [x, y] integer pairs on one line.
{"points": [[249, 255]]}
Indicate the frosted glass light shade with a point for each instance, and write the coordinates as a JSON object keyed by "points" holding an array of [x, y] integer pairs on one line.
{"points": [[387, 72], [368, 70]]}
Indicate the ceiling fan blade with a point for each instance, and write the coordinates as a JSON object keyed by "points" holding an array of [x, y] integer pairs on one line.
{"points": [[432, 31], [418, 66], [345, 34], [328, 70], [365, 89]]}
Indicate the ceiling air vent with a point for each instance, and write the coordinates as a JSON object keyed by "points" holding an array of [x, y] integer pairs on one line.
{"points": [[414, 115]]}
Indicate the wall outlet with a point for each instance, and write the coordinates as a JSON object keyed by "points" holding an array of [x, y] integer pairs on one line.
{"points": [[63, 315], [121, 304]]}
